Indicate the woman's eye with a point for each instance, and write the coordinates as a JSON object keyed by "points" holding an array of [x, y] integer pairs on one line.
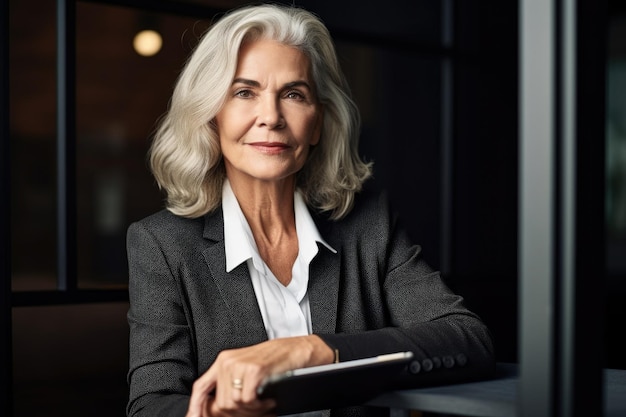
{"points": [[294, 95], [243, 93]]}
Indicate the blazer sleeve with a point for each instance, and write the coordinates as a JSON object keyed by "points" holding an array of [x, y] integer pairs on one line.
{"points": [[449, 342], [161, 363]]}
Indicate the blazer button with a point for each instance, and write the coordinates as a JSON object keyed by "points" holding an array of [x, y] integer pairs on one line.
{"points": [[437, 362], [461, 359], [448, 361], [427, 365], [415, 367]]}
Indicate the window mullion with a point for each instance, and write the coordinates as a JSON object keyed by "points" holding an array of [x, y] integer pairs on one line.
{"points": [[66, 145]]}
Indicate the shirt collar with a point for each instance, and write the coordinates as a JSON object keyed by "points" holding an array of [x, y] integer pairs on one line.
{"points": [[238, 240], [308, 234]]}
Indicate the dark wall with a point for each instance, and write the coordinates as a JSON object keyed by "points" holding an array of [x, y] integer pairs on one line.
{"points": [[402, 134], [486, 142]]}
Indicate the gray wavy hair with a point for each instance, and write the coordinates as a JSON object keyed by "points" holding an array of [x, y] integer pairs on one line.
{"points": [[185, 156]]}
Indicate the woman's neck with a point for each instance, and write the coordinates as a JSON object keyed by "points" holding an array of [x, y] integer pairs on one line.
{"points": [[269, 210], [268, 207]]}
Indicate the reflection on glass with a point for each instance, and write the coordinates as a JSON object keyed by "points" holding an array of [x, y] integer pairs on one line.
{"points": [[616, 149]]}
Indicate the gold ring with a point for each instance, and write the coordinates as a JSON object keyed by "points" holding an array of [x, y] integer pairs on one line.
{"points": [[237, 383]]}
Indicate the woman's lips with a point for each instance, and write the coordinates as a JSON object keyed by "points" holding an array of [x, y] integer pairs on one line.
{"points": [[270, 147]]}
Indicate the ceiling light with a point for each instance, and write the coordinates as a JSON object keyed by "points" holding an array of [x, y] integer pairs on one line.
{"points": [[147, 42]]}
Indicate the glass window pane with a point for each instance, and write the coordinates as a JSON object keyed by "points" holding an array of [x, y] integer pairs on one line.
{"points": [[616, 189], [120, 96], [32, 100], [616, 147]]}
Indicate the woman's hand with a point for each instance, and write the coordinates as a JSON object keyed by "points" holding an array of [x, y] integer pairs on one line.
{"points": [[236, 374]]}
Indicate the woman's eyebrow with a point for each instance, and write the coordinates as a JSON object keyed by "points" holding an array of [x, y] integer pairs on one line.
{"points": [[299, 83], [253, 83], [245, 81]]}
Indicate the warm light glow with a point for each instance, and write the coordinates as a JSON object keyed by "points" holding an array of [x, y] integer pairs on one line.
{"points": [[147, 42]]}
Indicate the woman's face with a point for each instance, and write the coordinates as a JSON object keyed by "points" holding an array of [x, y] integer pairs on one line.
{"points": [[271, 116]]}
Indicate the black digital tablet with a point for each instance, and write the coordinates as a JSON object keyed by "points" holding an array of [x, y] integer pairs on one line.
{"points": [[335, 385]]}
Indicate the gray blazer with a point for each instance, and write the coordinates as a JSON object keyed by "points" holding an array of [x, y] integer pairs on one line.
{"points": [[375, 296]]}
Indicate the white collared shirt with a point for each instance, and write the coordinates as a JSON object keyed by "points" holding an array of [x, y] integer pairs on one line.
{"points": [[285, 309]]}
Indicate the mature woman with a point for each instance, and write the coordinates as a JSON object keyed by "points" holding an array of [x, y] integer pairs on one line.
{"points": [[270, 256]]}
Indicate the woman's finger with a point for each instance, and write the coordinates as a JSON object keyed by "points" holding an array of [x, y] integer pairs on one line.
{"points": [[200, 394], [257, 408]]}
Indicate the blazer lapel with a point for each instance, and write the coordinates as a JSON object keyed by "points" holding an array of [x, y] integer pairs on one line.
{"points": [[324, 277], [235, 288]]}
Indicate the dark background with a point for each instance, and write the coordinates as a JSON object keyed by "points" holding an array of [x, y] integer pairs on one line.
{"points": [[437, 84]]}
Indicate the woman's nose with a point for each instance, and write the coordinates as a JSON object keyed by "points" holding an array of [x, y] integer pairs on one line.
{"points": [[270, 113]]}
